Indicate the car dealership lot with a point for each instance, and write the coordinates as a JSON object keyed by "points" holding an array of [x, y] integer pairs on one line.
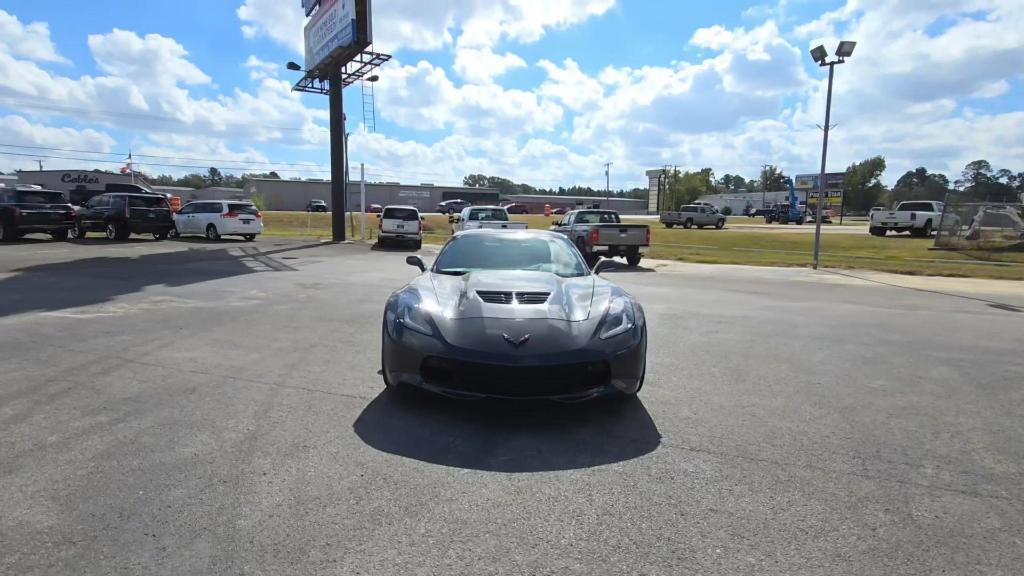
{"points": [[192, 408]]}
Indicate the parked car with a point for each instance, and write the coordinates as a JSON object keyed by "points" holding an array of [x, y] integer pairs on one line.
{"points": [[699, 215], [559, 211], [374, 209], [513, 315], [216, 218], [477, 217], [453, 206], [400, 224], [316, 206], [34, 210], [598, 233], [516, 209], [919, 218], [119, 215]]}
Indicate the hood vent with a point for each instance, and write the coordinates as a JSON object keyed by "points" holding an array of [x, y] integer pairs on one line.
{"points": [[502, 297]]}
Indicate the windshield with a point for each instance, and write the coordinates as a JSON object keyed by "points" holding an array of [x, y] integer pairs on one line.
{"points": [[475, 252], [916, 207], [488, 215], [40, 197], [405, 214], [147, 202], [597, 218]]}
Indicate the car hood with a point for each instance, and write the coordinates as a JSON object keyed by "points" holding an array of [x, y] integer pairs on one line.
{"points": [[456, 297]]}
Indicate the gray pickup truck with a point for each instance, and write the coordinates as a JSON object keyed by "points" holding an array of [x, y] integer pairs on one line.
{"points": [[600, 233], [699, 215]]}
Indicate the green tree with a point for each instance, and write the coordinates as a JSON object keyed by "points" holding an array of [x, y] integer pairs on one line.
{"points": [[862, 185], [475, 181], [163, 180], [214, 177], [773, 179], [919, 184], [191, 181], [739, 183], [981, 184]]}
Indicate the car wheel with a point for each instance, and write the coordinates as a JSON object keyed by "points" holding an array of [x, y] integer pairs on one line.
{"points": [[720, 224], [173, 233], [451, 211], [688, 224], [160, 236], [670, 226], [249, 237], [211, 233], [876, 231], [418, 244], [633, 260], [926, 232], [60, 235], [78, 232], [6, 232], [113, 231]]}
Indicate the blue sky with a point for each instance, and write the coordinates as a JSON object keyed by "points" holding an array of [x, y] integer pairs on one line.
{"points": [[542, 96]]}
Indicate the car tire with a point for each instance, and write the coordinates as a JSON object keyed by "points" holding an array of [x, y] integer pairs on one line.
{"points": [[451, 211], [877, 231], [634, 260], [173, 233], [720, 224], [249, 237], [212, 233], [688, 224], [418, 244], [78, 232], [926, 232], [7, 232], [113, 231], [670, 226], [60, 235], [161, 236]]}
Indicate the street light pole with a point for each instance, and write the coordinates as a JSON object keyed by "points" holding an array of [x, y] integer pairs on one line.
{"points": [[607, 183], [338, 156], [821, 175], [820, 55]]}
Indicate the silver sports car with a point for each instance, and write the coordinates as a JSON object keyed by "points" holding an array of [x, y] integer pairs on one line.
{"points": [[513, 315]]}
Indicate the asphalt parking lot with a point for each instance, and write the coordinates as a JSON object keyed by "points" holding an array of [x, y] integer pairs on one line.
{"points": [[196, 408]]}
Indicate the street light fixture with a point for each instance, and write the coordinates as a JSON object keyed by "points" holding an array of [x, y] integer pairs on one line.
{"points": [[820, 56], [373, 78], [294, 67]]}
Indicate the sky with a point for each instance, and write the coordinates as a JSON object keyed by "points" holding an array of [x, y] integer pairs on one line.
{"points": [[540, 92]]}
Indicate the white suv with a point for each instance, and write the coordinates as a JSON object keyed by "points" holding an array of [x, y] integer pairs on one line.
{"points": [[400, 224], [216, 218]]}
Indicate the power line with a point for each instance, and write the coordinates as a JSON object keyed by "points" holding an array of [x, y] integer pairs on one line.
{"points": [[190, 166], [187, 158]]}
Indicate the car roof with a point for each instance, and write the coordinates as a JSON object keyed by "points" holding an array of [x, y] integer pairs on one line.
{"points": [[507, 233], [483, 207], [403, 207]]}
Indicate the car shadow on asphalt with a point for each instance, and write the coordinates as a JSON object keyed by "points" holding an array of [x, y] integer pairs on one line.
{"points": [[82, 282], [507, 436]]}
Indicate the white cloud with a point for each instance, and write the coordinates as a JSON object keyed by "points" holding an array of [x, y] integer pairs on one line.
{"points": [[154, 60], [259, 69], [423, 97], [31, 41], [430, 24], [482, 66], [19, 131], [569, 85]]}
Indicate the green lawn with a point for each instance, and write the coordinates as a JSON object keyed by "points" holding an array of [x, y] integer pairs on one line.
{"points": [[900, 254]]}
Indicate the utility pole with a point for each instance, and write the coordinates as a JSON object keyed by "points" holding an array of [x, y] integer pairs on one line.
{"points": [[40, 165], [607, 182], [338, 155], [764, 185]]}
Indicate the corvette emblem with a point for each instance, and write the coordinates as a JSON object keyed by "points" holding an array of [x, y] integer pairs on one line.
{"points": [[516, 343]]}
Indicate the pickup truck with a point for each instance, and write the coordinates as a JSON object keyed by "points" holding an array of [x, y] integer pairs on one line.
{"points": [[699, 215], [599, 233], [490, 217], [919, 217]]}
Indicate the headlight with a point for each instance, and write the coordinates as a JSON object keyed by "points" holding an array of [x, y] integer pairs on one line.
{"points": [[409, 313], [619, 319]]}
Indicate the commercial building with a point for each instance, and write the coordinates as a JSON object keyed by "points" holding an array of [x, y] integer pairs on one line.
{"points": [[80, 185], [291, 195]]}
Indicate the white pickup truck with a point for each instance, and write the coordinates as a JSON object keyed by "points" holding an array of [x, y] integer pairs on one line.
{"points": [[490, 217], [919, 217]]}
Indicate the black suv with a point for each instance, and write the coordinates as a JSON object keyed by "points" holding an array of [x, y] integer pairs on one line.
{"points": [[30, 210], [120, 215]]}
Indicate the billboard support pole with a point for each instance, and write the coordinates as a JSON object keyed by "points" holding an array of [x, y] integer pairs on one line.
{"points": [[362, 198], [337, 112]]}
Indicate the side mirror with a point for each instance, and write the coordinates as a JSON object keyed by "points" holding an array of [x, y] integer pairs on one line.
{"points": [[417, 262], [604, 264], [556, 222], [423, 218], [378, 216]]}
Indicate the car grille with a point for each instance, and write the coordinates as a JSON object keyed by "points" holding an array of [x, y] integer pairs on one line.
{"points": [[515, 381], [501, 297]]}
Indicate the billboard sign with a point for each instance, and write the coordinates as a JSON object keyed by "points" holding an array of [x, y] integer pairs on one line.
{"points": [[833, 181], [329, 31], [309, 6]]}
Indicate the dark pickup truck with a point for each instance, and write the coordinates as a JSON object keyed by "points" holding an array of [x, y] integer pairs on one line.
{"points": [[33, 210], [601, 233]]}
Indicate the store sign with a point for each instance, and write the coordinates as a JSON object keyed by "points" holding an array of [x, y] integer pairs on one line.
{"points": [[309, 6], [833, 181], [69, 178], [830, 194], [414, 194], [330, 30]]}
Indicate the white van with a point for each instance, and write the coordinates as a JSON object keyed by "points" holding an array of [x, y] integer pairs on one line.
{"points": [[216, 218], [400, 224]]}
